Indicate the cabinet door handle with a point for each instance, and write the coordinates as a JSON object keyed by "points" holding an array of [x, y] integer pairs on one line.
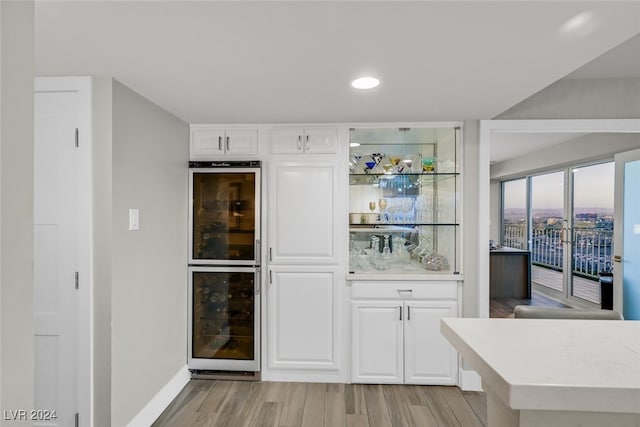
{"points": [[400, 307], [299, 142], [270, 254], [227, 143], [258, 281], [404, 290], [408, 312], [219, 143], [307, 144], [258, 253]]}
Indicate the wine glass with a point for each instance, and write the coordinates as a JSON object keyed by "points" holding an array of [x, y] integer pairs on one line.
{"points": [[372, 206], [428, 164], [369, 166], [421, 207], [408, 163], [407, 209], [377, 158], [382, 204], [353, 163]]}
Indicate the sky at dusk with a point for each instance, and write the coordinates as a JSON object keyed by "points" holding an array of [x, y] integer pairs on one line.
{"points": [[593, 188]]}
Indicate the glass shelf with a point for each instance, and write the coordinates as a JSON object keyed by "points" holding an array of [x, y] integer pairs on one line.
{"points": [[394, 179]]}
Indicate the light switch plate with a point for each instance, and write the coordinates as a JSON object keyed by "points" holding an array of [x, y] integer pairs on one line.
{"points": [[134, 219]]}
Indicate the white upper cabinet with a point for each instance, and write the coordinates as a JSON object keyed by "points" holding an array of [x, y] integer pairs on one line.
{"points": [[304, 141], [210, 143]]}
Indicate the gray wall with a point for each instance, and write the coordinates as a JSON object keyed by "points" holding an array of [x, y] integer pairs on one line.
{"points": [[470, 218], [148, 276], [16, 206], [583, 149], [102, 247], [581, 99]]}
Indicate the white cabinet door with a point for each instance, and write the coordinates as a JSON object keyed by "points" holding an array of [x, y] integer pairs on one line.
{"points": [[321, 141], [309, 141], [376, 352], [429, 358], [302, 320], [241, 141], [212, 143], [206, 143], [302, 209], [287, 141]]}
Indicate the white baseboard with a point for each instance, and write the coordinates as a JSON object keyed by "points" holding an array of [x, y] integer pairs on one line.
{"points": [[161, 400], [470, 380]]}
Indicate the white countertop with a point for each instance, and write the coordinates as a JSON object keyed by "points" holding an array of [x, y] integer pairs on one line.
{"points": [[549, 364]]}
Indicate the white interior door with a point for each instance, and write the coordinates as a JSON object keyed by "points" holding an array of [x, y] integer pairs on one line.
{"points": [[626, 238], [55, 256]]}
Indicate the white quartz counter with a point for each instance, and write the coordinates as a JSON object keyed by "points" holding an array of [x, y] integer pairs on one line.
{"points": [[537, 365]]}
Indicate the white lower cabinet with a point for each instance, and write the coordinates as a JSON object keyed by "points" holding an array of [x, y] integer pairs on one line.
{"points": [[377, 350], [428, 356], [399, 341], [303, 319]]}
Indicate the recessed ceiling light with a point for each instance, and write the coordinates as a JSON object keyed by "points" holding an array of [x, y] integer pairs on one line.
{"points": [[579, 22], [354, 144], [365, 83]]}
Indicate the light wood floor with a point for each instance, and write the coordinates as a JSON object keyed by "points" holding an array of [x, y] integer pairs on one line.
{"points": [[503, 307], [242, 403]]}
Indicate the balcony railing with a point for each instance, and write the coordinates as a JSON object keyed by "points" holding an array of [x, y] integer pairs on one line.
{"points": [[592, 248]]}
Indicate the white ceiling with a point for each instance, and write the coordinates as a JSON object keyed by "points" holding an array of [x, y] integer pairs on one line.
{"points": [[272, 62]]}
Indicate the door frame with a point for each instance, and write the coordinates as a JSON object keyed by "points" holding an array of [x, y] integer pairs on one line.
{"points": [[489, 127], [83, 86]]}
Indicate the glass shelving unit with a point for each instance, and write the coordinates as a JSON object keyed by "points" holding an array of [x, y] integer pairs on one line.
{"points": [[404, 200]]}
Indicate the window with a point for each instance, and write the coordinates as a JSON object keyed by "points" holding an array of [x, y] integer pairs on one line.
{"points": [[565, 218], [514, 214]]}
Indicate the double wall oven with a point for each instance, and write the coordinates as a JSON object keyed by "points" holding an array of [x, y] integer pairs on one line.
{"points": [[224, 267]]}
